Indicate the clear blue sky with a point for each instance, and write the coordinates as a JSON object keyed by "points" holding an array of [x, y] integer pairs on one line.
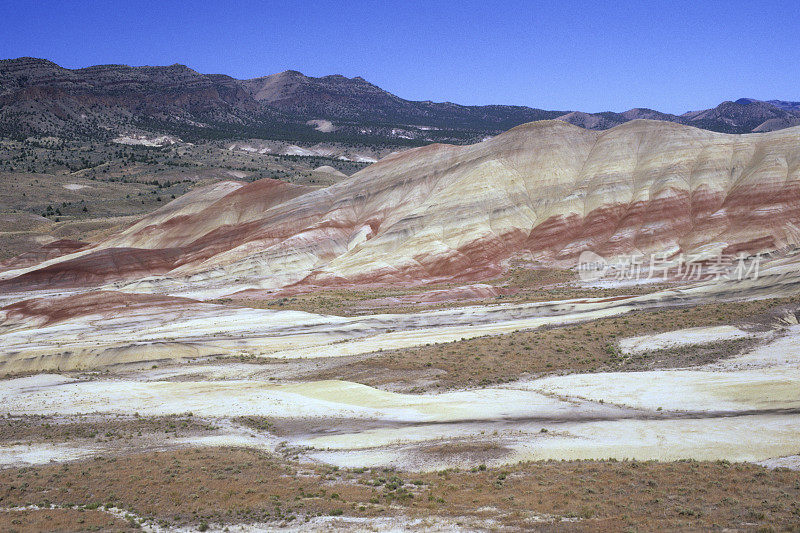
{"points": [[593, 56]]}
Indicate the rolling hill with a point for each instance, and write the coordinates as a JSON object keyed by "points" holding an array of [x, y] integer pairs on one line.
{"points": [[39, 98], [540, 193]]}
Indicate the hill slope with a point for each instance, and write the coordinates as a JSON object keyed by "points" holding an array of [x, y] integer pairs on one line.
{"points": [[544, 192], [40, 98]]}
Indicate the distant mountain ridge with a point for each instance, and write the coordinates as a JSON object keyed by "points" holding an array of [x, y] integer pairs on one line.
{"points": [[40, 98], [355, 99]]}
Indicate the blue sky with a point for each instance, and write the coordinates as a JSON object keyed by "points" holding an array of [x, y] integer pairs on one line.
{"points": [[593, 56]]}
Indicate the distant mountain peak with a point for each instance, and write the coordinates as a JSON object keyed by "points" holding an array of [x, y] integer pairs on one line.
{"points": [[29, 60], [38, 98], [785, 104]]}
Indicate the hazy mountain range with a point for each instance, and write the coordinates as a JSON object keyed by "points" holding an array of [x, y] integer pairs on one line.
{"points": [[40, 98]]}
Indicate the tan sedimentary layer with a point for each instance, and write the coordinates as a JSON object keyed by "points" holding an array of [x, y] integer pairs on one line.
{"points": [[543, 191]]}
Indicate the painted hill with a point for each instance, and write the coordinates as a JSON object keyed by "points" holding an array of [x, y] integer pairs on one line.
{"points": [[543, 192]]}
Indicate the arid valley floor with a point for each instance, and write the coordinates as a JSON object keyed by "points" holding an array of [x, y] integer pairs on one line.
{"points": [[410, 346]]}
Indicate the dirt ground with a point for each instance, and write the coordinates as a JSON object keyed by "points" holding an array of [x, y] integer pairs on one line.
{"points": [[62, 520], [588, 347], [219, 486]]}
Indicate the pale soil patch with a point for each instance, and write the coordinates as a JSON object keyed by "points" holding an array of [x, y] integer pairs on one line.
{"points": [[791, 462], [143, 140], [660, 406], [403, 523], [781, 351], [34, 454], [502, 443], [239, 398], [75, 186], [684, 390], [681, 337], [325, 126]]}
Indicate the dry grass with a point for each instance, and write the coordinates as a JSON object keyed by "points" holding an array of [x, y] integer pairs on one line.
{"points": [[14, 243], [21, 429], [61, 520], [518, 286], [546, 284], [342, 302], [118, 182], [588, 347], [233, 485]]}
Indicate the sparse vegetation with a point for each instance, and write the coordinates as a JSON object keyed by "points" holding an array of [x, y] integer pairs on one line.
{"points": [[60, 188], [79, 519], [589, 347], [26, 429], [220, 486], [520, 285]]}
